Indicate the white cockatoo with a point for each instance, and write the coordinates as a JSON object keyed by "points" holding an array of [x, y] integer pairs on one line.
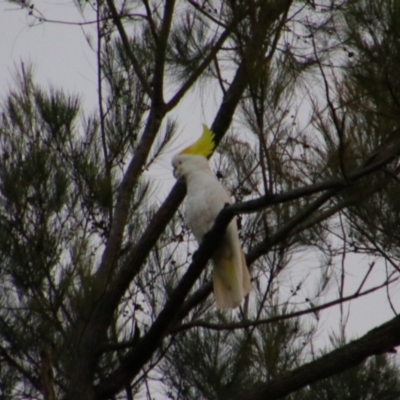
{"points": [[206, 197]]}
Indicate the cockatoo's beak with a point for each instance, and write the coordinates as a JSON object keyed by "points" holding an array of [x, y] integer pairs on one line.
{"points": [[178, 175]]}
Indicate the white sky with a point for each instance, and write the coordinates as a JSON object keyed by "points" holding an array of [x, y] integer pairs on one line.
{"points": [[62, 57], [59, 53]]}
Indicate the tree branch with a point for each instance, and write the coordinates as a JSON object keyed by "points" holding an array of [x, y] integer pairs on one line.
{"points": [[203, 65], [13, 364], [158, 223], [293, 226], [193, 300], [161, 49], [377, 341], [47, 375], [246, 324], [334, 184], [108, 302], [148, 344], [127, 46]]}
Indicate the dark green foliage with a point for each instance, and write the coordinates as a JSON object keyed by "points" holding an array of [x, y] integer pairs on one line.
{"points": [[374, 31], [55, 200]]}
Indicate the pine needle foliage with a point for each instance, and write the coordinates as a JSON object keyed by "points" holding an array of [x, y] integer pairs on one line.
{"points": [[104, 293]]}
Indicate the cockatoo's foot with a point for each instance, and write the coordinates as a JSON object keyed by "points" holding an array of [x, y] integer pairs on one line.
{"points": [[194, 256]]}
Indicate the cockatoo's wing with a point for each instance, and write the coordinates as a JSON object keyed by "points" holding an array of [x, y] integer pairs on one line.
{"points": [[230, 274], [206, 198]]}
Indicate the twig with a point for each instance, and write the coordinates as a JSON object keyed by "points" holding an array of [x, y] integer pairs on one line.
{"points": [[257, 322]]}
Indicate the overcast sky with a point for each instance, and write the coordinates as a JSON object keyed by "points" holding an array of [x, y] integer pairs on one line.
{"points": [[58, 52], [62, 58]]}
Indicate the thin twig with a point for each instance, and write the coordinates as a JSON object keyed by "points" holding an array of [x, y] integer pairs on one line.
{"points": [[258, 322]]}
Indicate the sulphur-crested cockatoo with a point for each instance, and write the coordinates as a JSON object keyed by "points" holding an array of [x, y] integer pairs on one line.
{"points": [[206, 197]]}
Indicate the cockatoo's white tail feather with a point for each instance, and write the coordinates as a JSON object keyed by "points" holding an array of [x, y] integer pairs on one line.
{"points": [[227, 289], [231, 277]]}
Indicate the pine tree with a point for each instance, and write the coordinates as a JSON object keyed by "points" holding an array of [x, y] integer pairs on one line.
{"points": [[101, 297]]}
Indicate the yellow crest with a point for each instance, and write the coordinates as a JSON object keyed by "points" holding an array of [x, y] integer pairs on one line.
{"points": [[204, 146]]}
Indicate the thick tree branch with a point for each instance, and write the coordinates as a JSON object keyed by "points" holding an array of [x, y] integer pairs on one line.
{"points": [[148, 344], [141, 250], [372, 165], [102, 313], [124, 195], [294, 226], [47, 375], [377, 341], [134, 170], [108, 302], [157, 225]]}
